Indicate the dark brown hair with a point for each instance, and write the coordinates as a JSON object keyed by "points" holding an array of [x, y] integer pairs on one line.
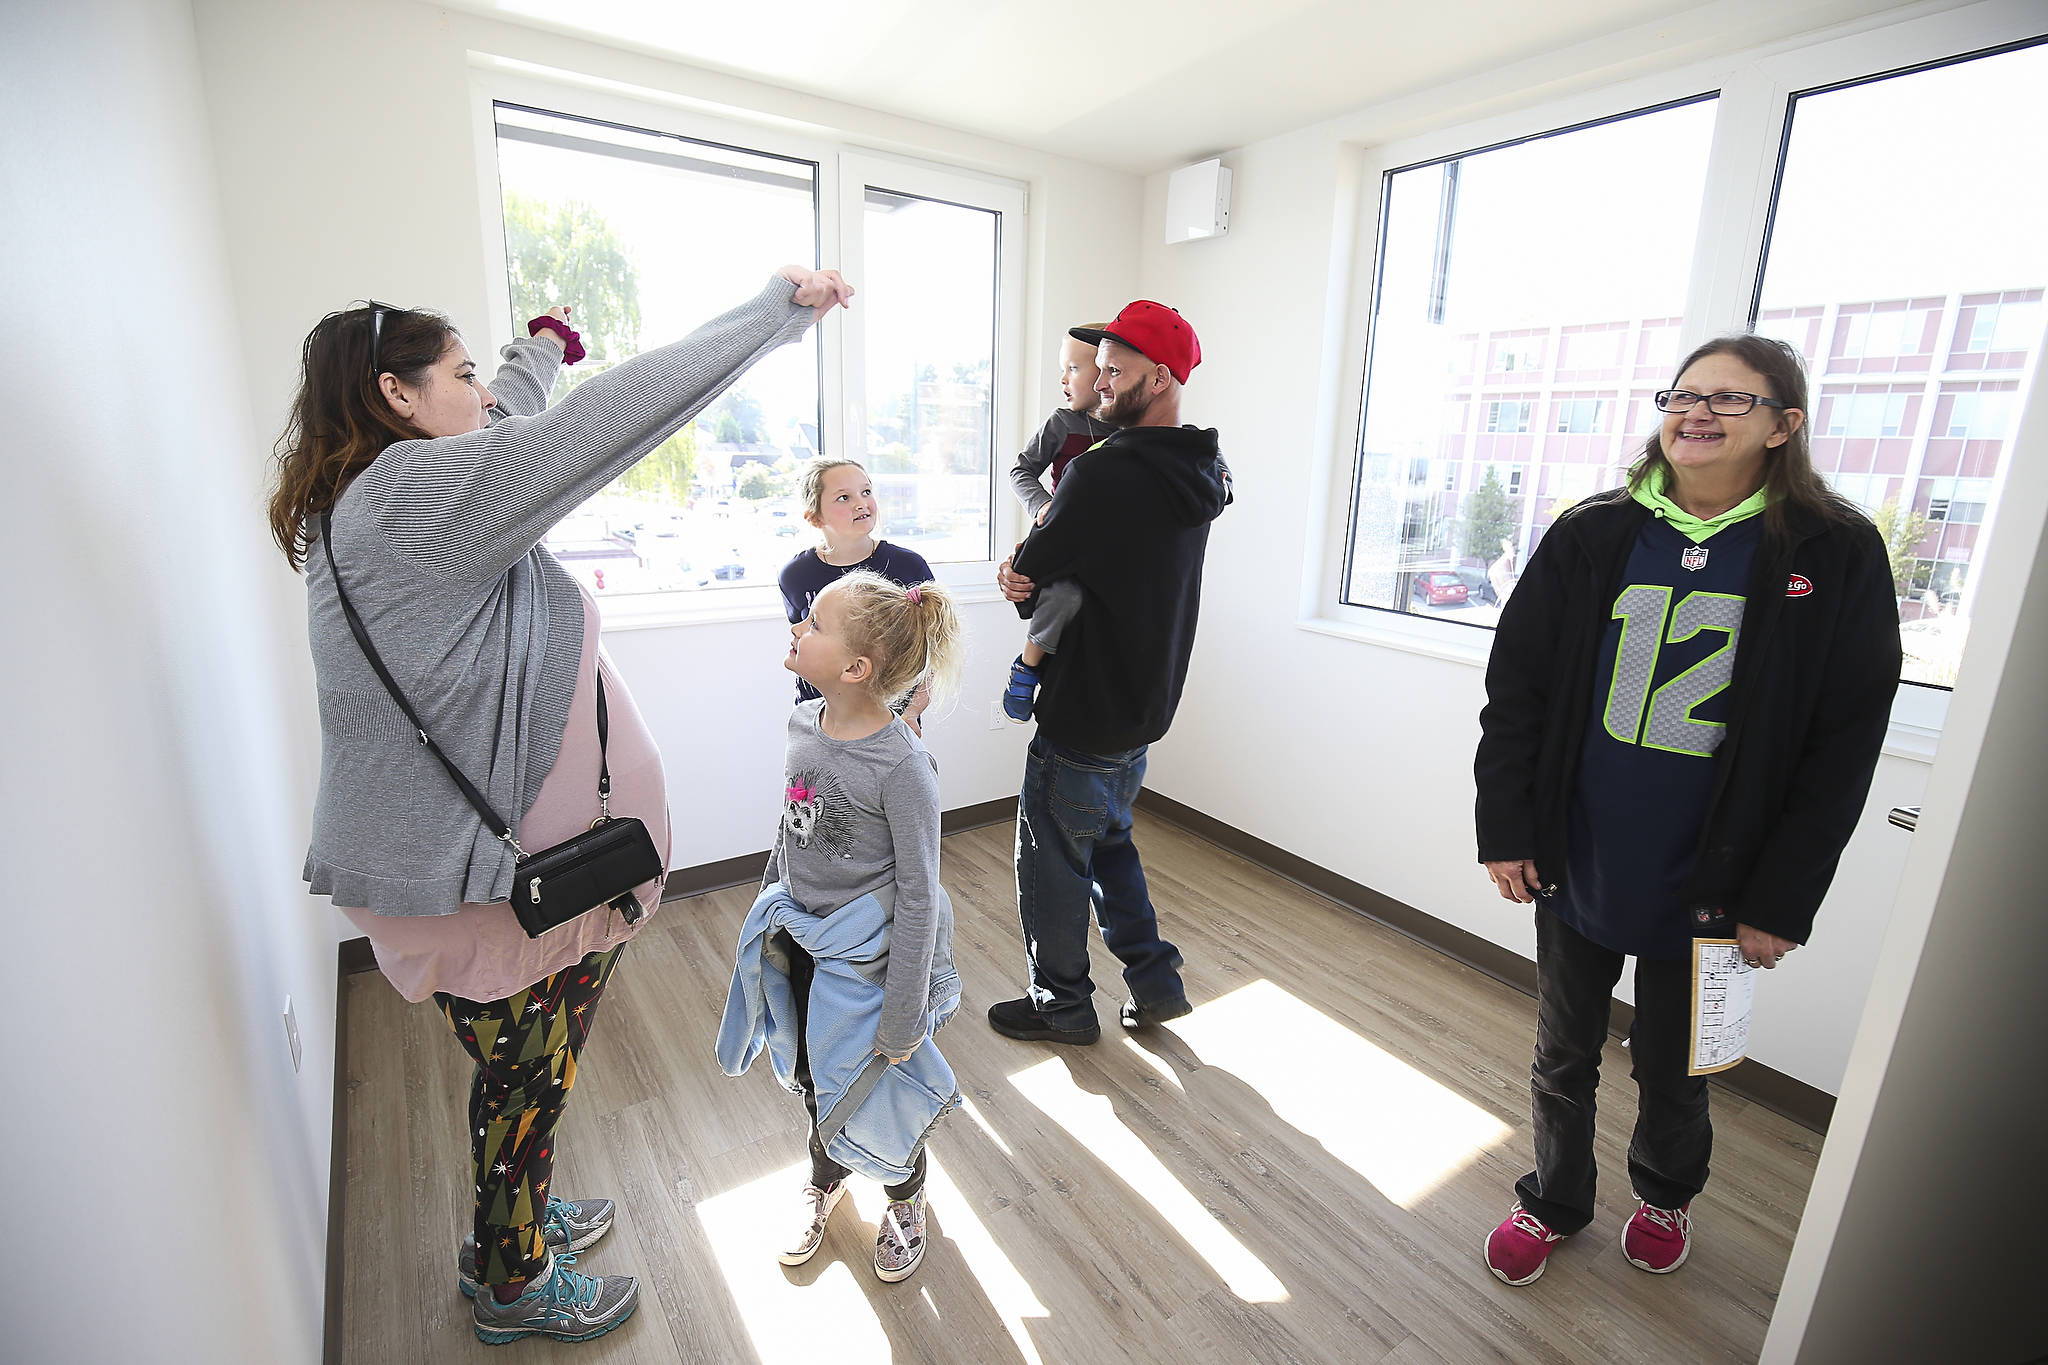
{"points": [[1790, 479], [339, 421]]}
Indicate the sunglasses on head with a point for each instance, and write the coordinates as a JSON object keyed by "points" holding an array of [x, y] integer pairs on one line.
{"points": [[377, 312]]}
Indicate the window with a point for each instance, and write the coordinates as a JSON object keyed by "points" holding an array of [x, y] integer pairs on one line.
{"points": [[1510, 416], [1580, 415], [929, 291], [619, 221], [1918, 322], [2008, 326], [1877, 331], [1981, 416], [1964, 125], [1865, 414], [1514, 243], [1867, 491], [1518, 354]]}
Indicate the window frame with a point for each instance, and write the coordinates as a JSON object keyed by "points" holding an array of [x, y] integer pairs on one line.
{"points": [[1754, 89], [844, 168]]}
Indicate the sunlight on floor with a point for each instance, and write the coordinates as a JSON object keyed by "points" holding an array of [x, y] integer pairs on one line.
{"points": [[1402, 1131], [789, 1321], [1091, 1120], [968, 1108], [956, 1229], [796, 1318]]}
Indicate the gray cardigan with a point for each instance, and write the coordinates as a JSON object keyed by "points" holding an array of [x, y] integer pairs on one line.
{"points": [[438, 542]]}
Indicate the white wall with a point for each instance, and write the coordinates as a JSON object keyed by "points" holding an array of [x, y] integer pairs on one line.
{"points": [[348, 169], [1920, 1236], [168, 1166], [1355, 755]]}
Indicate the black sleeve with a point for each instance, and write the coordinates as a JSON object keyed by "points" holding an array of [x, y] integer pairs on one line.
{"points": [[790, 581], [1520, 675], [1839, 755], [1079, 529]]}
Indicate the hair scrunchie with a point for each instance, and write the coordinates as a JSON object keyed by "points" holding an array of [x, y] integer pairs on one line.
{"points": [[572, 340]]}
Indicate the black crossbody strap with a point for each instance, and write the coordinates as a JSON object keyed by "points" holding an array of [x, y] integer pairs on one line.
{"points": [[604, 772], [491, 818]]}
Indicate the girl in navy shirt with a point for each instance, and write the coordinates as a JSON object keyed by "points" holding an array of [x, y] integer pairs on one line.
{"points": [[839, 499]]}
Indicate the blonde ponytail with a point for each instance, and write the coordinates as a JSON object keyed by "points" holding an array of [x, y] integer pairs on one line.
{"points": [[911, 635]]}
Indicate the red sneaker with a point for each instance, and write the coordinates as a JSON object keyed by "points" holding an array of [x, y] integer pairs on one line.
{"points": [[1515, 1250], [1658, 1240]]}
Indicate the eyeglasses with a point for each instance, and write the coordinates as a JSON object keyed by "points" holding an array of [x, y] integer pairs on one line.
{"points": [[1720, 404], [377, 312]]}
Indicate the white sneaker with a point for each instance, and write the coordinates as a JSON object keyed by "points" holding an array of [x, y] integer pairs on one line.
{"points": [[818, 1205], [899, 1241]]}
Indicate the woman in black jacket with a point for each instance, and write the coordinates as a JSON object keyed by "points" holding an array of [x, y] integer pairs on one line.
{"points": [[1685, 702]]}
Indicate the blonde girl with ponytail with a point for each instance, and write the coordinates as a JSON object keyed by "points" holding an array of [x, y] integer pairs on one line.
{"points": [[857, 851]]}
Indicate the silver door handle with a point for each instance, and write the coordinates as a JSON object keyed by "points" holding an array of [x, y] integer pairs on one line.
{"points": [[1906, 818]]}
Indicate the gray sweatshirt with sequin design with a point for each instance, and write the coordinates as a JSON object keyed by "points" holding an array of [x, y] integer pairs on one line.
{"points": [[438, 542], [860, 816]]}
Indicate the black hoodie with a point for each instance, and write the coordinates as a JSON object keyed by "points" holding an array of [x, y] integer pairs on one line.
{"points": [[1129, 523]]}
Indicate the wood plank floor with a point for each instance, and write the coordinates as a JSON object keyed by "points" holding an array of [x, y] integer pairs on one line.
{"points": [[1302, 1170]]}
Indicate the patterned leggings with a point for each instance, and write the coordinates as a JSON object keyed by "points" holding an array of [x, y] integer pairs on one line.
{"points": [[525, 1048]]}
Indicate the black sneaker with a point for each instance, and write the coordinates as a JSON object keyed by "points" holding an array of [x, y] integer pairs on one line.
{"points": [[1135, 1015], [1021, 1019]]}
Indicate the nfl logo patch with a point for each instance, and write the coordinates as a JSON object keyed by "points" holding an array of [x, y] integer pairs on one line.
{"points": [[1693, 559]]}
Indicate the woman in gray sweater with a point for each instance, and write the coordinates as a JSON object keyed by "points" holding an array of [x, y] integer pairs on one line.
{"points": [[439, 491]]}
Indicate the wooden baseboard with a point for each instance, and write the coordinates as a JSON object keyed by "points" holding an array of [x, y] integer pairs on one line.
{"points": [[707, 877], [1804, 1104], [357, 956]]}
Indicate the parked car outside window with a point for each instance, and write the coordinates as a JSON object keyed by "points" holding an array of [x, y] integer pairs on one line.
{"points": [[1440, 588]]}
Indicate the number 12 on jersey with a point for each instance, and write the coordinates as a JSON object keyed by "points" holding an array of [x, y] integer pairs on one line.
{"points": [[1664, 719]]}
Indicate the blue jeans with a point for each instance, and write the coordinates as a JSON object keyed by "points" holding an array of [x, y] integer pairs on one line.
{"points": [[1074, 854]]}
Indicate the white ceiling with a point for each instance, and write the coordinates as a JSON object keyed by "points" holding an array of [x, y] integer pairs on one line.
{"points": [[1143, 84]]}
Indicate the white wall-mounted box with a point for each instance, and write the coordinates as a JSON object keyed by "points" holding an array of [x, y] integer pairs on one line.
{"points": [[1198, 202]]}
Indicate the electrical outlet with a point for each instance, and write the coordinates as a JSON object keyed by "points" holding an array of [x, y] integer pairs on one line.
{"points": [[291, 1031], [996, 718]]}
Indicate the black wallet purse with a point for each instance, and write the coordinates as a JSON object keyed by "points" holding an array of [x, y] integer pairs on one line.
{"points": [[599, 867]]}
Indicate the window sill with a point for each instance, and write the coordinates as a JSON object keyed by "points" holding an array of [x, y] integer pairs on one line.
{"points": [[1431, 639], [661, 611]]}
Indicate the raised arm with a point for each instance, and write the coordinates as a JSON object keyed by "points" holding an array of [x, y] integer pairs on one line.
{"points": [[522, 382], [473, 505]]}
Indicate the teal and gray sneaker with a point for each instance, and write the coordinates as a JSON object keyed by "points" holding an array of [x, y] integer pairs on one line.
{"points": [[567, 1225], [558, 1303]]}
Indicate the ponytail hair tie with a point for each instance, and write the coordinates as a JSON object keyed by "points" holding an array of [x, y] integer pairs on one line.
{"points": [[915, 592]]}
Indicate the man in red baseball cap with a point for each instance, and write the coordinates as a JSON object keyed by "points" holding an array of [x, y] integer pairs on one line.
{"points": [[1129, 523], [1156, 332]]}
